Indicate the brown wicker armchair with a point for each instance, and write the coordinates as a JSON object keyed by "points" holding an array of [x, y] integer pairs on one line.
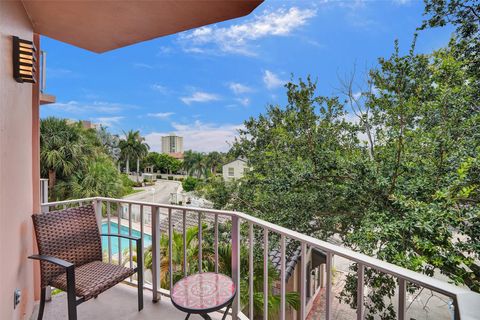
{"points": [[70, 254]]}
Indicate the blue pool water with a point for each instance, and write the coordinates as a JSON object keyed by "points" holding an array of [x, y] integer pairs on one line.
{"points": [[147, 240]]}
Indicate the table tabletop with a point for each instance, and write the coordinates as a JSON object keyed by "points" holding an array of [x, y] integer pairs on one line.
{"points": [[203, 292]]}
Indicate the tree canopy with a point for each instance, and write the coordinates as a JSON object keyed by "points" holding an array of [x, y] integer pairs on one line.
{"points": [[79, 162], [392, 170]]}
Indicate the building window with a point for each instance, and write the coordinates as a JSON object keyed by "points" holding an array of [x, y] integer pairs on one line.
{"points": [[245, 170], [231, 172]]}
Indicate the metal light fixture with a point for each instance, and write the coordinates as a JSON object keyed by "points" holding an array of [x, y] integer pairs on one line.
{"points": [[23, 60]]}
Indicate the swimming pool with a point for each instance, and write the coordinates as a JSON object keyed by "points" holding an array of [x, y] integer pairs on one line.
{"points": [[147, 240]]}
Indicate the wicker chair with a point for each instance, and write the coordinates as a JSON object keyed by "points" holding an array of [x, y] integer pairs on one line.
{"points": [[70, 254]]}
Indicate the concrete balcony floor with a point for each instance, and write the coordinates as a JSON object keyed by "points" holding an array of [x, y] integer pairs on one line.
{"points": [[119, 303]]}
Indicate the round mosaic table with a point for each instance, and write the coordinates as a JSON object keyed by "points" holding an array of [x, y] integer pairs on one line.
{"points": [[202, 293]]}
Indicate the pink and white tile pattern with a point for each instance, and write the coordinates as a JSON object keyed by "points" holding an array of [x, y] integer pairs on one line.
{"points": [[203, 291]]}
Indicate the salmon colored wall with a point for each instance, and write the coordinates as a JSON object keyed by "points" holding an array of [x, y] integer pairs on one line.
{"points": [[16, 175]]}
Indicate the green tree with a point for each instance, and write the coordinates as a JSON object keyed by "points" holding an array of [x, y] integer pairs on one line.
{"points": [[62, 149], [194, 163], [101, 178], [407, 199], [161, 161], [79, 162], [214, 160], [133, 146]]}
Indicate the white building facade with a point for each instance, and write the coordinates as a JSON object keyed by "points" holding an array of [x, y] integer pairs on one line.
{"points": [[235, 169], [172, 144]]}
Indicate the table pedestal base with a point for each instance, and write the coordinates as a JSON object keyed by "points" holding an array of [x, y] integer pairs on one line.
{"points": [[207, 317]]}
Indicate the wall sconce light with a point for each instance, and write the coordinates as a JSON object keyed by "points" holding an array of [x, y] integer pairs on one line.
{"points": [[23, 60]]}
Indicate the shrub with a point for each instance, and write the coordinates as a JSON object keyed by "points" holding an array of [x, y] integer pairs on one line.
{"points": [[189, 184], [170, 177]]}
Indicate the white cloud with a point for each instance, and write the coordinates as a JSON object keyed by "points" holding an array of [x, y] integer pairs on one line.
{"points": [[60, 73], [402, 2], [160, 88], [161, 115], [243, 101], [272, 80], [239, 88], [108, 121], [357, 95], [198, 136], [237, 38], [165, 50], [200, 96], [141, 65], [79, 108]]}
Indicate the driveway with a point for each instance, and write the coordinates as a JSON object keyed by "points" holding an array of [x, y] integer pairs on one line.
{"points": [[159, 193]]}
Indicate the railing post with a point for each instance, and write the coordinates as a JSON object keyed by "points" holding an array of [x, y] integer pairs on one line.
{"points": [[282, 277], [155, 253], [328, 293], [184, 229], [266, 290], [250, 271], [401, 299], [98, 214], [109, 229], [200, 244], [360, 287], [170, 248], [303, 280], [215, 242], [236, 264]]}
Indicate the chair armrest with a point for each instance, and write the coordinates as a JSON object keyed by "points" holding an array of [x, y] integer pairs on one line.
{"points": [[120, 236], [56, 261]]}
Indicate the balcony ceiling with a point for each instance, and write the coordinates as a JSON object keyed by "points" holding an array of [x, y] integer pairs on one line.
{"points": [[101, 26]]}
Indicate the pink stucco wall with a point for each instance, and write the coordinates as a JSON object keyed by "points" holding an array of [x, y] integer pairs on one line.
{"points": [[16, 192]]}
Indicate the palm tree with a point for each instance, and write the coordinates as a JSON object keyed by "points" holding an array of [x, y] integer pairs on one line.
{"points": [[110, 143], [62, 149], [133, 146], [191, 237], [292, 299], [194, 163], [100, 178], [214, 160]]}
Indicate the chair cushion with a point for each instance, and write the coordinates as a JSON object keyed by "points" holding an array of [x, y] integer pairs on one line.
{"points": [[93, 278]]}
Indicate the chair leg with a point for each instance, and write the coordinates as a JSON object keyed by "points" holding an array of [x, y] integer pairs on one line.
{"points": [[71, 298], [140, 290], [42, 303]]}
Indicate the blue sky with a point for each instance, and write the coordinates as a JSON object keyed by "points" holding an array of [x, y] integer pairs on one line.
{"points": [[202, 84]]}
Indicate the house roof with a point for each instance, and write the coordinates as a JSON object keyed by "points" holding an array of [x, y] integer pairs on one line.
{"points": [[176, 155], [101, 26], [292, 257], [237, 159]]}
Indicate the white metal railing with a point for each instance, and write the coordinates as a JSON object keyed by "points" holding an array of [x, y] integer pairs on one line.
{"points": [[466, 303]]}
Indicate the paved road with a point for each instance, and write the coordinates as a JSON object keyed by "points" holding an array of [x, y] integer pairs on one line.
{"points": [[162, 188]]}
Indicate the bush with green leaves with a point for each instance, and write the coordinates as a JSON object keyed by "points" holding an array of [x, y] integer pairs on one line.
{"points": [[189, 184]]}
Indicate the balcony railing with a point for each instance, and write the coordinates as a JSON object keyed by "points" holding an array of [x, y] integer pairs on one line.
{"points": [[148, 215]]}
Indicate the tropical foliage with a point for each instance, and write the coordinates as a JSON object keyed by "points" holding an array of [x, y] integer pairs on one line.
{"points": [[161, 162], [189, 184], [224, 266], [204, 165], [79, 162]]}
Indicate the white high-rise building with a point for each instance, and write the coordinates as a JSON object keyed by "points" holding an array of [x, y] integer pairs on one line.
{"points": [[172, 144]]}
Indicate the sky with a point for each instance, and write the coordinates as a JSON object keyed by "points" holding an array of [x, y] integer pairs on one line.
{"points": [[202, 84]]}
